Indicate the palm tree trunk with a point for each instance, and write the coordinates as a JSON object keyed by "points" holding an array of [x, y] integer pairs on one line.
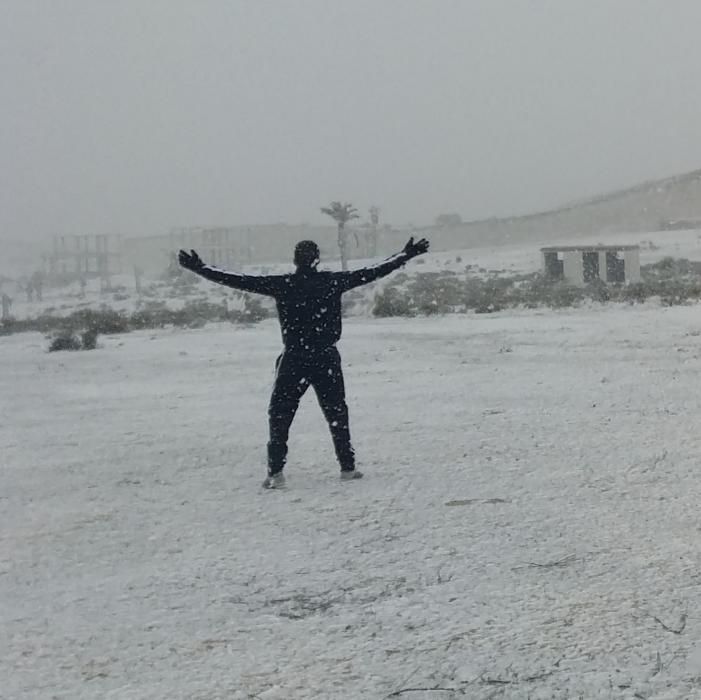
{"points": [[342, 246]]}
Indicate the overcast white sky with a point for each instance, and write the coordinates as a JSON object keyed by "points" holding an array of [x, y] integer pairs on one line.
{"points": [[133, 116]]}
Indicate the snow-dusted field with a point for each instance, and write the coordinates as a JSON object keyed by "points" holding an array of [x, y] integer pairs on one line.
{"points": [[529, 526]]}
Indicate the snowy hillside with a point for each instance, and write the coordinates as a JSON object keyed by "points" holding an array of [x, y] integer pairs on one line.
{"points": [[528, 526]]}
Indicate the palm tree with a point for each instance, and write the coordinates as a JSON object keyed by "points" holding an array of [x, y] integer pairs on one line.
{"points": [[374, 221], [341, 214]]}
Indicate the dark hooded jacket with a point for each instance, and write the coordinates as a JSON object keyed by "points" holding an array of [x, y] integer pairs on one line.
{"points": [[308, 300]]}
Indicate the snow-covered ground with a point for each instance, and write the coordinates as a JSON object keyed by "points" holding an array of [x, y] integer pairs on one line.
{"points": [[528, 527]]}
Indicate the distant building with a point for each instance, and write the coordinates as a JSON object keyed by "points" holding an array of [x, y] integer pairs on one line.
{"points": [[580, 265], [228, 247], [219, 246], [232, 247], [90, 255]]}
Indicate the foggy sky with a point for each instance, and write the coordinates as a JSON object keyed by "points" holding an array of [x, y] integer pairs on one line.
{"points": [[138, 115]]}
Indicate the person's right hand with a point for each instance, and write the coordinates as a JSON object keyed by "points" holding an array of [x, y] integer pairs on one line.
{"points": [[190, 261], [419, 248]]}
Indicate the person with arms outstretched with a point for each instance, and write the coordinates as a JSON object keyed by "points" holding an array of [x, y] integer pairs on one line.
{"points": [[309, 309]]}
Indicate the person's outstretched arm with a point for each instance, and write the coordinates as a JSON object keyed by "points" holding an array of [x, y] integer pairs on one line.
{"points": [[258, 284], [365, 275]]}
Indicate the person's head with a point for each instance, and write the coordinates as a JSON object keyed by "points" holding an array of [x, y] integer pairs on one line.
{"points": [[306, 254]]}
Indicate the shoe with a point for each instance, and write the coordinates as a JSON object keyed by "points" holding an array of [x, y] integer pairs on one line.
{"points": [[349, 474], [274, 481]]}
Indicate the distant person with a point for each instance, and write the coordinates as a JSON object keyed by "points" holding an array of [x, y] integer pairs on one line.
{"points": [[309, 309]]}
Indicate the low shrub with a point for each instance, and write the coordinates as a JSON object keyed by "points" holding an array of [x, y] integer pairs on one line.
{"points": [[65, 340], [104, 320], [88, 339], [390, 302]]}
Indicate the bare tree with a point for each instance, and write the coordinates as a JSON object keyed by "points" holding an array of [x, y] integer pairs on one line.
{"points": [[341, 214]]}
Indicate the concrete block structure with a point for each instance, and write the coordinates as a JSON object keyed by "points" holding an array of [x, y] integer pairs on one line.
{"points": [[581, 265]]}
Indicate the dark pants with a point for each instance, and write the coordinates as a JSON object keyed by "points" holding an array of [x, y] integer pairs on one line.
{"points": [[295, 374]]}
